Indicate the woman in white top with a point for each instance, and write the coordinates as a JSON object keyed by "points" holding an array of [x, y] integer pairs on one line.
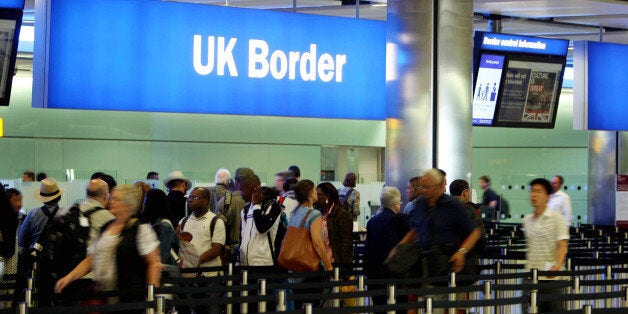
{"points": [[113, 255]]}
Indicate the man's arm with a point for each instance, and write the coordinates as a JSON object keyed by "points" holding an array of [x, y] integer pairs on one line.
{"points": [[561, 254], [467, 245], [263, 223], [218, 241]]}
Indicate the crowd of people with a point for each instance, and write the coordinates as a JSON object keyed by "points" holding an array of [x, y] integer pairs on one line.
{"points": [[135, 230]]}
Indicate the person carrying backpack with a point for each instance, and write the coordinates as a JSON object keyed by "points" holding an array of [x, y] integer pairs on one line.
{"points": [[349, 196], [261, 220]]}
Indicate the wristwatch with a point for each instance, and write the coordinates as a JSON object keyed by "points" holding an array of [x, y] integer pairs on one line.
{"points": [[463, 250]]}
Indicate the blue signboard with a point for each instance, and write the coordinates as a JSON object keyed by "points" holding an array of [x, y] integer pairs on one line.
{"points": [[12, 4], [524, 44], [607, 92], [182, 57]]}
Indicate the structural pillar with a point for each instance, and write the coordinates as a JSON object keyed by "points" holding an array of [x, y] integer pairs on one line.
{"points": [[602, 176], [429, 46]]}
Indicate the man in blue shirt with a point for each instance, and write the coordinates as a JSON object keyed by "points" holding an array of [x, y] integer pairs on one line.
{"points": [[446, 230]]}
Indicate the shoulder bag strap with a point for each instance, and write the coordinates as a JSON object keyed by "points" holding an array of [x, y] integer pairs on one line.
{"points": [[305, 218], [184, 221]]}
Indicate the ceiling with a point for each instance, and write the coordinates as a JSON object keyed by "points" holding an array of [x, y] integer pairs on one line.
{"points": [[569, 19]]}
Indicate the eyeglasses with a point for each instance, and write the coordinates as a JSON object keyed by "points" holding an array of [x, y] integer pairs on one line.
{"points": [[196, 198]]}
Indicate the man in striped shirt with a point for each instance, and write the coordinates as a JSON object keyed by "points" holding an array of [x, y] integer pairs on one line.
{"points": [[546, 239]]}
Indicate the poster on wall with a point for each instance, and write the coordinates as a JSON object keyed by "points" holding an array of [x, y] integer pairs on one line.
{"points": [[621, 200]]}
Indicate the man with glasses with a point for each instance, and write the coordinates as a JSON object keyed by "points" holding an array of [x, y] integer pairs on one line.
{"points": [[446, 230]]}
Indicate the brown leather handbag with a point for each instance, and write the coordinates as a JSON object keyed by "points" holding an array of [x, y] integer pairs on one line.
{"points": [[297, 251]]}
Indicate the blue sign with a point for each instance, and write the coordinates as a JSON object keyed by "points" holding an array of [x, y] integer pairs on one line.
{"points": [[525, 44], [607, 92], [12, 4], [182, 57]]}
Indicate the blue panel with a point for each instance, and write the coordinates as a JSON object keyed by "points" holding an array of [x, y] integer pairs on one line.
{"points": [[525, 44], [12, 4], [140, 55], [607, 89]]}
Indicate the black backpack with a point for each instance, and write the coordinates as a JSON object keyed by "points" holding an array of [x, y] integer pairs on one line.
{"points": [[502, 206], [480, 246], [67, 241]]}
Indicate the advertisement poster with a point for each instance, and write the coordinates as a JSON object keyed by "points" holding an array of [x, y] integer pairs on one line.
{"points": [[539, 105], [530, 90], [621, 199]]}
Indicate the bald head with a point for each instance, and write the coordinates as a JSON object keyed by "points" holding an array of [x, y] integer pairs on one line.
{"points": [[98, 190]]}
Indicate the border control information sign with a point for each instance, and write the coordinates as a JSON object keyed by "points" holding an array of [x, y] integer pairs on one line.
{"points": [[179, 57], [621, 201]]}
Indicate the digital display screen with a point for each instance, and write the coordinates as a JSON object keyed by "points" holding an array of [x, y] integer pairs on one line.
{"points": [[10, 21], [486, 90], [530, 92]]}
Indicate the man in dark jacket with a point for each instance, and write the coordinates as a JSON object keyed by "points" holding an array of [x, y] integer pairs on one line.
{"points": [[178, 185]]}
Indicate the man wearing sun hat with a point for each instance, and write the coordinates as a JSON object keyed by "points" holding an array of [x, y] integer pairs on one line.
{"points": [[177, 185], [31, 239]]}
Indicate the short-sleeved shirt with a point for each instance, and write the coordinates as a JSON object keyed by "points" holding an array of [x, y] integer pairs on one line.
{"points": [[103, 251], [542, 236], [202, 240], [489, 196], [446, 223], [299, 212]]}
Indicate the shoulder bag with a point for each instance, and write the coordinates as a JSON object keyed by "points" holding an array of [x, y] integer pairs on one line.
{"points": [[297, 251]]}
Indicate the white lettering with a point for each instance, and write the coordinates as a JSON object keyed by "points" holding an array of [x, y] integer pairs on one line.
{"points": [[294, 58], [279, 64], [199, 67], [341, 60], [258, 50], [308, 61], [225, 57], [326, 67]]}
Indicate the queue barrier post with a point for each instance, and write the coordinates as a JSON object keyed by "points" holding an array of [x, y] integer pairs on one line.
{"points": [[336, 289], [261, 307], [308, 308], [428, 306], [150, 297], [22, 308], [487, 295], [160, 304], [244, 307], [391, 297], [281, 300], [533, 309], [361, 287], [229, 307], [452, 296]]}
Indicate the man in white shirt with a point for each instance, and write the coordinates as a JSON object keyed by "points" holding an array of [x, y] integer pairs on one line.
{"points": [[546, 240], [560, 201]]}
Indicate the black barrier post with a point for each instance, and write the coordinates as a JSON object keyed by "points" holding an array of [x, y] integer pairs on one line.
{"points": [[244, 307], [261, 307], [281, 300], [229, 306], [391, 297], [150, 297]]}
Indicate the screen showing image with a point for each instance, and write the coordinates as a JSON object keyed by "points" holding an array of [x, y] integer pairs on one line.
{"points": [[7, 31], [530, 93], [486, 89]]}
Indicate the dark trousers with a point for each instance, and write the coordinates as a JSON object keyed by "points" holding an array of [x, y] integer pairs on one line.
{"points": [[547, 306]]}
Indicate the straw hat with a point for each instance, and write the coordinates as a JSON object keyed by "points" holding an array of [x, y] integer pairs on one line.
{"points": [[48, 191], [178, 175]]}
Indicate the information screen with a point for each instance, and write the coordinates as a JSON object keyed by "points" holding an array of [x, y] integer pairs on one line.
{"points": [[530, 93], [487, 85]]}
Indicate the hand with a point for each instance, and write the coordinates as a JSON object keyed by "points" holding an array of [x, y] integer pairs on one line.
{"points": [[457, 261], [61, 284], [257, 196]]}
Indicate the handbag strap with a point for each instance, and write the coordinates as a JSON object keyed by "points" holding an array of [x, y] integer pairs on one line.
{"points": [[305, 218]]}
